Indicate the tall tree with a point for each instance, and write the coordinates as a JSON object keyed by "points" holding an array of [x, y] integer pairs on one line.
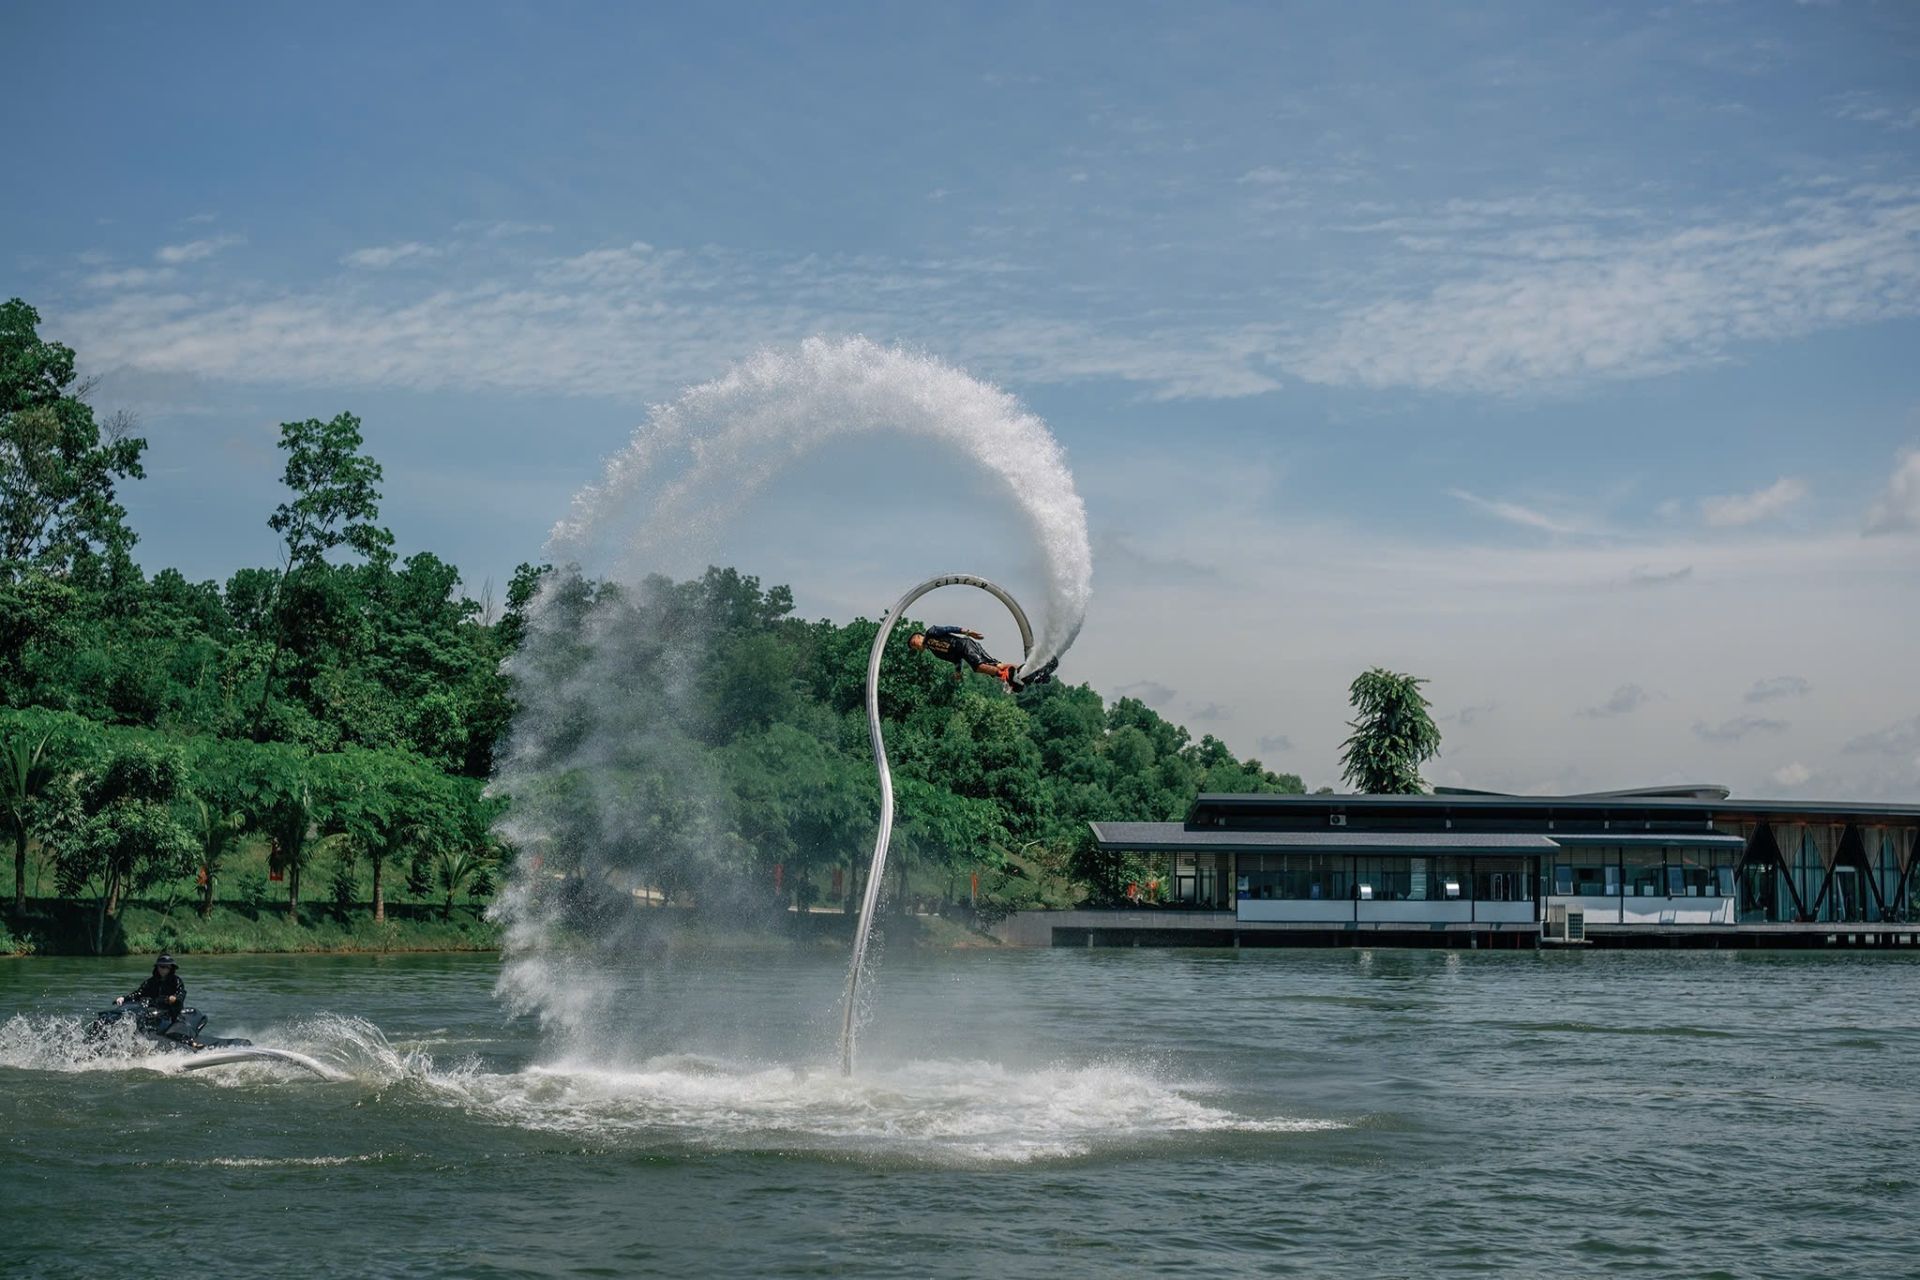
{"points": [[286, 817], [336, 501], [1393, 734], [26, 767], [57, 465], [124, 830]]}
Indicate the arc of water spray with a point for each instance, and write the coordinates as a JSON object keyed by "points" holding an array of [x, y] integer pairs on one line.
{"points": [[871, 898]]}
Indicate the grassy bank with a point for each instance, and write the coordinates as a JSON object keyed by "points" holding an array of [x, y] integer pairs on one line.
{"points": [[54, 928]]}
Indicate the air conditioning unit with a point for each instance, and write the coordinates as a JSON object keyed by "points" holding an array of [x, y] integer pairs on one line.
{"points": [[1554, 927], [1575, 924], [1336, 819]]}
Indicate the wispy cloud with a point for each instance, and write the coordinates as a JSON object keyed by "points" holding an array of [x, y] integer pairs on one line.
{"points": [[633, 321], [196, 250], [1737, 509], [129, 278], [1874, 108], [1275, 744], [1779, 687], [1151, 692], [1528, 309], [1520, 514], [1624, 700], [1642, 575], [1737, 728], [503, 230], [1211, 712], [1789, 776], [380, 257], [1897, 510], [1899, 739]]}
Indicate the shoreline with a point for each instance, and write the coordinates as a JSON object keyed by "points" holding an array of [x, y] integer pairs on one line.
{"points": [[65, 930]]}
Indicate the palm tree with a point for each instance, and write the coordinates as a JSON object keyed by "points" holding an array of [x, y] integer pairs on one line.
{"points": [[217, 834], [25, 771]]}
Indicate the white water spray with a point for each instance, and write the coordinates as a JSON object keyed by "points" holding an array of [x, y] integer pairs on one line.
{"points": [[603, 702], [701, 459]]}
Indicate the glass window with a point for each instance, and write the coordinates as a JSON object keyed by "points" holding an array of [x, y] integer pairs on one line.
{"points": [[1502, 880], [1589, 872], [1303, 876], [1642, 869]]}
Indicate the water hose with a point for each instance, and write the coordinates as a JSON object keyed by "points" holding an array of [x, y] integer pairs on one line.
{"points": [[870, 900]]}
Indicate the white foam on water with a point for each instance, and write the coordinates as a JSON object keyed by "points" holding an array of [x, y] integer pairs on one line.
{"points": [[923, 1112], [353, 1047]]}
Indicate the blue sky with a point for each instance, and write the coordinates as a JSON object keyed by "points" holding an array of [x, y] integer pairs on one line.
{"points": [[1566, 355]]}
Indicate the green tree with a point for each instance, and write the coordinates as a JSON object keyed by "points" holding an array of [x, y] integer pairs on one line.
{"points": [[230, 796], [124, 830], [58, 467], [388, 805], [286, 817], [1393, 734], [335, 503], [26, 769]]}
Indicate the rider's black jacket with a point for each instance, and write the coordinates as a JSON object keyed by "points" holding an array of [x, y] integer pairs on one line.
{"points": [[156, 989]]}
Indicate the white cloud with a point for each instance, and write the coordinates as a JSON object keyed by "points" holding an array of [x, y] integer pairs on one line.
{"points": [[129, 278], [1898, 509], [1901, 739], [1872, 108], [382, 256], [1736, 729], [1520, 514], [1151, 692], [1738, 509], [1779, 687], [196, 250], [636, 321], [503, 230], [1789, 776], [1642, 575], [1624, 700], [1532, 308]]}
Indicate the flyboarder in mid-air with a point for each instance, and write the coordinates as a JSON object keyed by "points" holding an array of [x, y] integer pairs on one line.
{"points": [[963, 649]]}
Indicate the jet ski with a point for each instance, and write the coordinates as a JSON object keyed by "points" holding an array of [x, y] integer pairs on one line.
{"points": [[182, 1030], [185, 1033]]}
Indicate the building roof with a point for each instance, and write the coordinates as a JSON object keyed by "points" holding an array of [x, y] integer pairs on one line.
{"points": [[1651, 805], [1643, 839], [1173, 837]]}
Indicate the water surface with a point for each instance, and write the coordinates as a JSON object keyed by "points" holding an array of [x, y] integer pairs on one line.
{"points": [[1072, 1113]]}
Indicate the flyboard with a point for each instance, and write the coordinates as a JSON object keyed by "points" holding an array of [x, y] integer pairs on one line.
{"points": [[871, 899], [227, 1057]]}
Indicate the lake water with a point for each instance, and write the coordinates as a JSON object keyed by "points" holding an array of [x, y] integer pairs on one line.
{"points": [[1060, 1113]]}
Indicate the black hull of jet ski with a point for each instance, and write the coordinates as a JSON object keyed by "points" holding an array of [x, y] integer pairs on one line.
{"points": [[180, 1031]]}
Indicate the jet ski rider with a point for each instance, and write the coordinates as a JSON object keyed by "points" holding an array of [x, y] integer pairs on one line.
{"points": [[963, 649], [163, 992]]}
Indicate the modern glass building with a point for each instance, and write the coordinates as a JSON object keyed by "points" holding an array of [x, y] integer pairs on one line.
{"points": [[1474, 868]]}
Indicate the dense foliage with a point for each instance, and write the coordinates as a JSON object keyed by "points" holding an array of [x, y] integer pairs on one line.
{"points": [[343, 710], [1393, 734]]}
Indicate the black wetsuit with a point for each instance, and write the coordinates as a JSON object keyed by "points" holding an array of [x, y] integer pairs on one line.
{"points": [[957, 647]]}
